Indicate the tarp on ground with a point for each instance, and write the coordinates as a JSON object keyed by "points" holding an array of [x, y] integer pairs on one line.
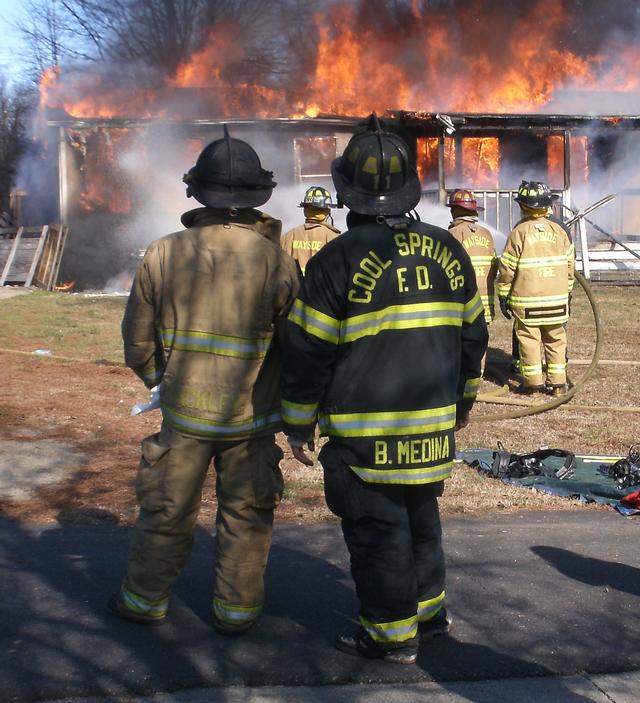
{"points": [[587, 482]]}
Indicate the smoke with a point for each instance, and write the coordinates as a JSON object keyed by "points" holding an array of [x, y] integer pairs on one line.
{"points": [[104, 248], [565, 57]]}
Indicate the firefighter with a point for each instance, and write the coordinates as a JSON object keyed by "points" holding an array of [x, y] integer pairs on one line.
{"points": [[478, 243], [535, 279], [307, 239], [199, 321], [384, 345]]}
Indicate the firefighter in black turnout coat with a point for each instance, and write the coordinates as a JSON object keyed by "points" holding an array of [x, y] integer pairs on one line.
{"points": [[384, 346]]}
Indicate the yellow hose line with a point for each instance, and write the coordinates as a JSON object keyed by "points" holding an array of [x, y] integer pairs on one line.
{"points": [[606, 362], [557, 402], [531, 404], [55, 357]]}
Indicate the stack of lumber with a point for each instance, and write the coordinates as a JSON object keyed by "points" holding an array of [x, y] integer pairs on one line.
{"points": [[32, 255]]}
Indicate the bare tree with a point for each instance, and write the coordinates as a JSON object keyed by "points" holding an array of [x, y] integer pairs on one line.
{"points": [[15, 106], [154, 33]]}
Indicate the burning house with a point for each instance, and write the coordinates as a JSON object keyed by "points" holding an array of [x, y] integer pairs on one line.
{"points": [[480, 114]]}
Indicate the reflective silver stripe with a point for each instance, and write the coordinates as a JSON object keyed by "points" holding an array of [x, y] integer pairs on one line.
{"points": [[559, 299], [432, 474], [152, 376], [223, 345], [509, 260], [471, 387], [472, 309], [144, 606], [542, 262], [397, 631], [390, 423], [235, 614], [401, 317], [428, 608], [211, 428], [315, 322], [299, 413]]}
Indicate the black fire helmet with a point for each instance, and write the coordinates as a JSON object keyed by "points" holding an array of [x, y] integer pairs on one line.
{"points": [[375, 174], [535, 195], [228, 174]]}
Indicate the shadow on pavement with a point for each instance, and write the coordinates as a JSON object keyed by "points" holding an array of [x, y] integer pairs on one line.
{"points": [[515, 617], [594, 572]]}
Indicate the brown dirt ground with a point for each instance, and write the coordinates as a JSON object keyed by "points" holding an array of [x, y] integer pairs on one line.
{"points": [[87, 403]]}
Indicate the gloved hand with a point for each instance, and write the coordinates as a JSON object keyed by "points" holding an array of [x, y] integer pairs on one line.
{"points": [[462, 420], [504, 309], [297, 449]]}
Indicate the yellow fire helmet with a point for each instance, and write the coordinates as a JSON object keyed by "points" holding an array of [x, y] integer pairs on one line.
{"points": [[317, 196]]}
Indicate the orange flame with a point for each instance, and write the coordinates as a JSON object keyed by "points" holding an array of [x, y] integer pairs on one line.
{"points": [[481, 161], [105, 185], [359, 67], [65, 287], [555, 160]]}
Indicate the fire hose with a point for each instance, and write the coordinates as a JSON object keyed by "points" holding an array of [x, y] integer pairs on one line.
{"points": [[530, 408]]}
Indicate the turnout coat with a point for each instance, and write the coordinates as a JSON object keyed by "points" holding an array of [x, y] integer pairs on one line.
{"points": [[384, 346], [536, 272], [201, 318]]}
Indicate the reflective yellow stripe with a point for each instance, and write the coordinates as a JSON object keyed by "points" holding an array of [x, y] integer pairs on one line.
{"points": [[481, 259], [151, 375], [299, 413], [389, 423], [220, 344], [408, 477], [315, 322], [472, 309], [235, 614], [489, 307], [509, 260], [144, 606], [397, 631], [471, 387], [542, 261], [542, 321], [213, 428], [553, 300], [531, 370], [402, 317], [556, 368], [428, 608]]}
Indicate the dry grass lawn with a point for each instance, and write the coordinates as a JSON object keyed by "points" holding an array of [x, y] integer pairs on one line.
{"points": [[82, 394]]}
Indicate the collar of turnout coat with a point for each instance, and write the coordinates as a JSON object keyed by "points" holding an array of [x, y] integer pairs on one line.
{"points": [[464, 218], [266, 225]]}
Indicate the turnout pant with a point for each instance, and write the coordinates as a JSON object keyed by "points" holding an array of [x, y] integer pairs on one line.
{"points": [[169, 484], [554, 342], [394, 537]]}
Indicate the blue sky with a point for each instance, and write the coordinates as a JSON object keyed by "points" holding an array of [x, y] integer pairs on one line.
{"points": [[10, 43]]}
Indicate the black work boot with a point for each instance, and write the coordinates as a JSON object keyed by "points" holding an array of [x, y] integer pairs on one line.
{"points": [[222, 628], [530, 390], [360, 644], [437, 626], [117, 607]]}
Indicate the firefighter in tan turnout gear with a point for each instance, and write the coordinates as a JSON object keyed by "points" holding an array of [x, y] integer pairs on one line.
{"points": [[478, 243], [200, 322], [383, 349], [535, 280], [307, 239]]}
